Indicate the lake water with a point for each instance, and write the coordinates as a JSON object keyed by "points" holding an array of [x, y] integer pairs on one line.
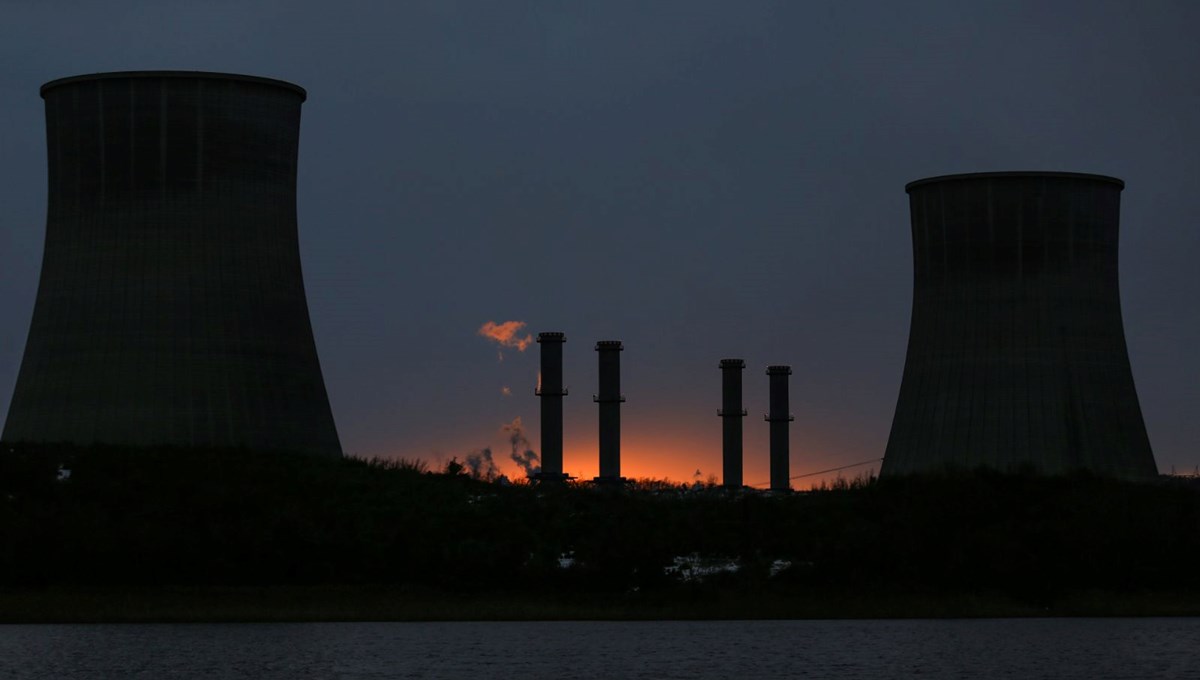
{"points": [[998, 648]]}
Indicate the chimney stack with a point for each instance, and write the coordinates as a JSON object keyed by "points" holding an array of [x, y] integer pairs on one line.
{"points": [[610, 400], [550, 389], [779, 418], [731, 422]]}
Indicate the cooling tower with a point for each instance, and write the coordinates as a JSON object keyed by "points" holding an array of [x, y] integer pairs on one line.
{"points": [[1016, 353], [171, 309]]}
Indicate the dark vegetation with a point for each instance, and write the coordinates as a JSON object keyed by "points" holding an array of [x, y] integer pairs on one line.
{"points": [[163, 518]]}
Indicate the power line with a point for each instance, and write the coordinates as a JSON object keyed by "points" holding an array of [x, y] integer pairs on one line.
{"points": [[823, 472]]}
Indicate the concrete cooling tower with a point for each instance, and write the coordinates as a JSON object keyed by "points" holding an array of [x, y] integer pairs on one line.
{"points": [[1016, 353], [171, 309]]}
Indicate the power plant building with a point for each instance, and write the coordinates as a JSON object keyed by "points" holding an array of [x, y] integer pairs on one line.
{"points": [[171, 308], [1016, 354]]}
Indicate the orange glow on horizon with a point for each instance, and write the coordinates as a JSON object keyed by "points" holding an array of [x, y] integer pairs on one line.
{"points": [[674, 454], [677, 457]]}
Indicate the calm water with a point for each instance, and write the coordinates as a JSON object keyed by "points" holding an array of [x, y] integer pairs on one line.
{"points": [[1008, 648]]}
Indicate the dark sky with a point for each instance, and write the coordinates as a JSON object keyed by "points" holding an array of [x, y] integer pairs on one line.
{"points": [[698, 179]]}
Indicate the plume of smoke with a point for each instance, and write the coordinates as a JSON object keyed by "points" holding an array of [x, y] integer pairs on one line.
{"points": [[481, 465], [522, 454], [529, 462], [506, 335]]}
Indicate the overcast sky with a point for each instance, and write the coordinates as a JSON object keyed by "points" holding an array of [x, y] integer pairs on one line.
{"points": [[698, 179]]}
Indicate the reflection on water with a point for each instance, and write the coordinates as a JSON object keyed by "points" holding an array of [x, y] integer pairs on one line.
{"points": [[997, 648]]}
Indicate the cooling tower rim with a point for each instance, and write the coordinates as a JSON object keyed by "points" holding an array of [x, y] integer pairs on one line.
{"points": [[1014, 174], [206, 75]]}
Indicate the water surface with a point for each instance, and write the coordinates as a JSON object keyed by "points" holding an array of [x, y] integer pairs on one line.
{"points": [[961, 648]]}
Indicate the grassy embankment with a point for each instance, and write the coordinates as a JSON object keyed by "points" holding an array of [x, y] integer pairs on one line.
{"points": [[162, 535], [195, 604]]}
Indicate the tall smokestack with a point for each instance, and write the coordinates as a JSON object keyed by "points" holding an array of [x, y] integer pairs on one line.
{"points": [[610, 400], [550, 389], [779, 419], [731, 422]]}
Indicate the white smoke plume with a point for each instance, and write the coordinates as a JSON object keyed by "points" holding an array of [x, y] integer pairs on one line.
{"points": [[481, 465], [522, 454], [505, 334]]}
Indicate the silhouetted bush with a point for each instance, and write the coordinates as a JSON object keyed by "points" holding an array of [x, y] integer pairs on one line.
{"points": [[169, 516]]}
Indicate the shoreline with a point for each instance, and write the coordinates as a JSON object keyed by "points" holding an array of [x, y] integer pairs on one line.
{"points": [[294, 604]]}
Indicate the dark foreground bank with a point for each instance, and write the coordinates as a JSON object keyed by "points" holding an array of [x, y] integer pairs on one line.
{"points": [[167, 535], [383, 603]]}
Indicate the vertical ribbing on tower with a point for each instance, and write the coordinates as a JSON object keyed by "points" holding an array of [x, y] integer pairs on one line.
{"points": [[610, 399], [1016, 352], [731, 422], [550, 389], [171, 309], [780, 419]]}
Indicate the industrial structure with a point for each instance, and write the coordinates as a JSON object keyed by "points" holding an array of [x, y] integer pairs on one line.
{"points": [[731, 414], [171, 308], [610, 399], [1016, 353], [780, 419], [550, 389]]}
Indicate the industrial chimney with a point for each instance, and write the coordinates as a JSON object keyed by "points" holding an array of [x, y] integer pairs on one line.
{"points": [[1016, 353], [780, 419], [731, 422], [550, 389], [171, 308], [610, 400]]}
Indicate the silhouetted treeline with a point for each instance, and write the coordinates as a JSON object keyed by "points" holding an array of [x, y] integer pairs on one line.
{"points": [[173, 517]]}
